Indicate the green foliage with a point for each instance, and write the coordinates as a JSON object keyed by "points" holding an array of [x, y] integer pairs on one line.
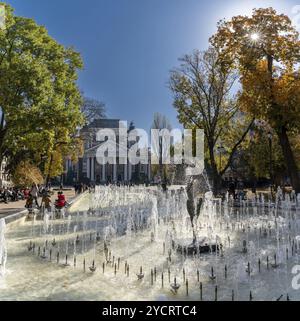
{"points": [[203, 99], [39, 98]]}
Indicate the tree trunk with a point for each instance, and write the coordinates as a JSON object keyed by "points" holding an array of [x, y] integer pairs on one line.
{"points": [[216, 178], [49, 170], [2, 135], [216, 181], [289, 158]]}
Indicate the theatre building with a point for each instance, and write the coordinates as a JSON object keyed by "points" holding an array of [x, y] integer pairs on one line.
{"points": [[88, 169]]}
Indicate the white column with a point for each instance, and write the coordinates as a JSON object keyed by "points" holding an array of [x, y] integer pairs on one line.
{"points": [[149, 171], [129, 171], [125, 172], [88, 167], [92, 168], [115, 172], [103, 172]]}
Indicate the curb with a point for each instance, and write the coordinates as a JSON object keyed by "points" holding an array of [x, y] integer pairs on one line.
{"points": [[14, 217]]}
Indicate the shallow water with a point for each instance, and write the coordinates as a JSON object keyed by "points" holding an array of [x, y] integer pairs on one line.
{"points": [[30, 277]]}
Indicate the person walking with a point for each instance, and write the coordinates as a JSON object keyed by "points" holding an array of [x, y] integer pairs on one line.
{"points": [[46, 199], [35, 193]]}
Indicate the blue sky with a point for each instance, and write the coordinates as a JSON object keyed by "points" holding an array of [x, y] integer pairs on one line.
{"points": [[129, 46]]}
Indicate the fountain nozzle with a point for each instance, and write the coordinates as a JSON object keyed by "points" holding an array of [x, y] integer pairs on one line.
{"points": [[66, 262], [175, 286], [93, 267], [30, 247], [140, 275], [43, 256], [275, 265], [212, 275]]}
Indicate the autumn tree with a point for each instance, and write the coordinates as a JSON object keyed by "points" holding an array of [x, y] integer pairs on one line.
{"points": [[265, 48], [203, 99], [257, 158], [39, 99], [27, 174]]}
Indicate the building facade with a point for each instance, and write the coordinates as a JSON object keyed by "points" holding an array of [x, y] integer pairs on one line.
{"points": [[89, 170], [4, 177]]}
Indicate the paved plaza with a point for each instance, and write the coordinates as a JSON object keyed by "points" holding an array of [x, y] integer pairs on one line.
{"points": [[15, 207]]}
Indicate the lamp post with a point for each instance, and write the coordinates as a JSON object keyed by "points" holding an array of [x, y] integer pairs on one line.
{"points": [[271, 159]]}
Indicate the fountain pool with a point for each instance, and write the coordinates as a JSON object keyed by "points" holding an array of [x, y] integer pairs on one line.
{"points": [[120, 243]]}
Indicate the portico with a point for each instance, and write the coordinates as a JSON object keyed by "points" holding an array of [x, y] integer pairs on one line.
{"points": [[91, 168]]}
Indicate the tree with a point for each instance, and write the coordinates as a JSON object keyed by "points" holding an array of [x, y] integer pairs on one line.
{"points": [[27, 174], [202, 98], [93, 109], [257, 156], [131, 126], [253, 161], [160, 122], [266, 50], [62, 147], [39, 98]]}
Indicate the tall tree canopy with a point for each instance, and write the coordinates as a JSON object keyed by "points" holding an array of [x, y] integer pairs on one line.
{"points": [[265, 48], [203, 99], [39, 99]]}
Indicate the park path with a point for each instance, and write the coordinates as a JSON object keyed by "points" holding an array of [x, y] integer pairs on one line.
{"points": [[15, 207]]}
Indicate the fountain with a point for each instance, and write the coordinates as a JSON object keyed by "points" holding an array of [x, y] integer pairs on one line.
{"points": [[179, 241], [3, 249], [194, 205]]}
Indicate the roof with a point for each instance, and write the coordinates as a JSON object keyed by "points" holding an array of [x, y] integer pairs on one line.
{"points": [[103, 123], [93, 150]]}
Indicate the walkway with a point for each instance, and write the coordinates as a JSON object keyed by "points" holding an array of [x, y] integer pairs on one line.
{"points": [[15, 207]]}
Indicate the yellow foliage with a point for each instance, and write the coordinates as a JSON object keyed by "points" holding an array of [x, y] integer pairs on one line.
{"points": [[265, 48], [276, 100], [26, 174]]}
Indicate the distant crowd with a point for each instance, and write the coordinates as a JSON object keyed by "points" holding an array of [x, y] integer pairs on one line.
{"points": [[13, 194], [80, 188]]}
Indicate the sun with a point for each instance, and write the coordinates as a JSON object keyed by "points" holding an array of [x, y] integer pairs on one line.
{"points": [[254, 36]]}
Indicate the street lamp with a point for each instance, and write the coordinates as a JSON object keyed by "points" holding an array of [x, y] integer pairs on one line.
{"points": [[270, 136]]}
